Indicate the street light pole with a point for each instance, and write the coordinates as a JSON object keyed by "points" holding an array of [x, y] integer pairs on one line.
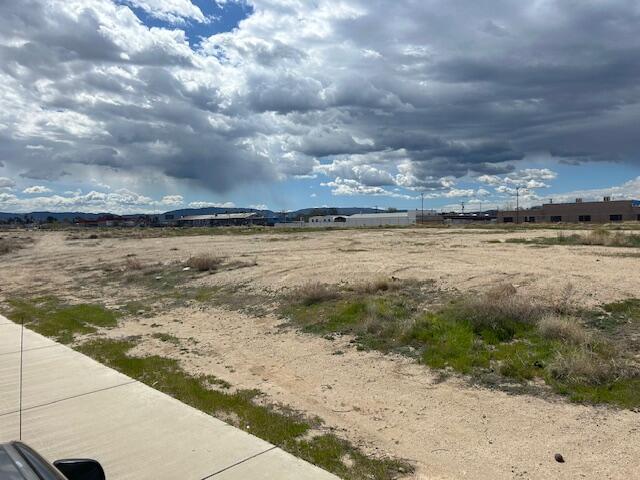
{"points": [[517, 205]]}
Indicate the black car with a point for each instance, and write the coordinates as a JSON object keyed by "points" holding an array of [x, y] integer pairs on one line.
{"points": [[20, 462]]}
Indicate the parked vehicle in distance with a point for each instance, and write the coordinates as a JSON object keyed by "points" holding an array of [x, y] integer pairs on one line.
{"points": [[18, 461]]}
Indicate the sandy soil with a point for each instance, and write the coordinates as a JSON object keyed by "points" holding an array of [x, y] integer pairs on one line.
{"points": [[386, 404]]}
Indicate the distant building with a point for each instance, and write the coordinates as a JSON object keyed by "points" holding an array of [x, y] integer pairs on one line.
{"points": [[327, 220], [381, 219], [222, 220], [605, 211], [292, 224]]}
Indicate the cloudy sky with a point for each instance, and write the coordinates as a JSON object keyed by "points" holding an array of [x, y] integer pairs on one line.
{"points": [[150, 105]]}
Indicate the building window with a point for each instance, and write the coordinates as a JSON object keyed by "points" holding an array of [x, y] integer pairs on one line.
{"points": [[530, 219], [615, 218], [556, 218], [639, 217], [584, 218], [507, 219]]}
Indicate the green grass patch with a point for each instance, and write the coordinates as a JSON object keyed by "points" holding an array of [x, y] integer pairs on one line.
{"points": [[499, 333], [53, 318], [601, 237], [280, 426], [622, 393], [628, 308], [166, 337]]}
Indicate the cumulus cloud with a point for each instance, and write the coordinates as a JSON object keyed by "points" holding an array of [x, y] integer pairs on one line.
{"points": [[36, 189], [6, 183], [172, 200], [627, 191], [120, 201], [172, 11], [303, 88], [349, 187], [211, 204]]}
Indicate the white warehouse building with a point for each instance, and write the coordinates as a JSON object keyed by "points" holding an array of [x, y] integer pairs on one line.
{"points": [[381, 219], [328, 220]]}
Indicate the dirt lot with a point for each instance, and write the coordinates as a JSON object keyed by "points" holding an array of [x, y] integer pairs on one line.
{"points": [[386, 404]]}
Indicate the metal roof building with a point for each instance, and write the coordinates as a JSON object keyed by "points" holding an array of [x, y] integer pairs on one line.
{"points": [[578, 212], [222, 219]]}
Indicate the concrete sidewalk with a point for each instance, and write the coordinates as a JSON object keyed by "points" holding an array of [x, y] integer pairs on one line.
{"points": [[76, 407]]}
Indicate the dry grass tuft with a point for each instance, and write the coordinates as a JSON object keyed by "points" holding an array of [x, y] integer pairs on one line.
{"points": [[583, 365], [11, 244], [316, 292], [602, 237], [567, 329], [132, 263], [205, 263], [502, 304]]}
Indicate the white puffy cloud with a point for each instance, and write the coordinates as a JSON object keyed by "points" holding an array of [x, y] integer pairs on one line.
{"points": [[36, 189], [6, 183], [120, 201], [172, 11], [172, 200], [627, 191], [211, 204], [350, 187]]}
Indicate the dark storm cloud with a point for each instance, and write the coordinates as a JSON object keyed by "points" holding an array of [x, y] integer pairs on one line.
{"points": [[411, 96]]}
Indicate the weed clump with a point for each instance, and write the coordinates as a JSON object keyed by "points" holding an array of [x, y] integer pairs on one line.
{"points": [[500, 312], [11, 244], [133, 263], [205, 263], [585, 365], [315, 292], [600, 237], [567, 329]]}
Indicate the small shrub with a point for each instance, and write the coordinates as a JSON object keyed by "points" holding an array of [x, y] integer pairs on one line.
{"points": [[316, 292], [499, 314], [205, 263], [564, 302], [11, 244], [585, 366], [132, 263], [567, 329]]}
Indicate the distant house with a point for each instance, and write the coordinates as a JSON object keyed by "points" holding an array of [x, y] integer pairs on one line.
{"points": [[222, 220]]}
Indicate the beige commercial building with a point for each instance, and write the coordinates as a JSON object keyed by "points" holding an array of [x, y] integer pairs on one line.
{"points": [[606, 211]]}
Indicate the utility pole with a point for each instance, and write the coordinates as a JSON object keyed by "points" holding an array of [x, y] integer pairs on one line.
{"points": [[517, 205], [462, 203], [422, 208]]}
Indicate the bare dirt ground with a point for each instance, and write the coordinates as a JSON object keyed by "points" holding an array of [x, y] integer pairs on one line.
{"points": [[386, 404]]}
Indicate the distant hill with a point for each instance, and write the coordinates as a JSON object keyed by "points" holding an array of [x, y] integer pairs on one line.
{"points": [[304, 213], [42, 216]]}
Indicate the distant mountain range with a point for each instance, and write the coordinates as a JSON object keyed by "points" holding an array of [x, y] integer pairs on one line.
{"points": [[304, 213]]}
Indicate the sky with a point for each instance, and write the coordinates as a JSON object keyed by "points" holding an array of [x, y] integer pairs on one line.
{"points": [[152, 105]]}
